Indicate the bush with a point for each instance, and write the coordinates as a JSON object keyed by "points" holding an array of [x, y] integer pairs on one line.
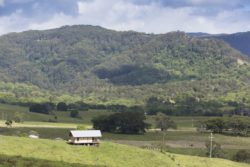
{"points": [[62, 106], [8, 123], [74, 113], [43, 108], [242, 156]]}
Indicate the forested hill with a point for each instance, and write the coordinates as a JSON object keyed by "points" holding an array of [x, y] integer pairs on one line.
{"points": [[102, 65]]}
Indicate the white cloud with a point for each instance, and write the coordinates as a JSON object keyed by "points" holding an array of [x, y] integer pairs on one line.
{"points": [[148, 17], [1, 2]]}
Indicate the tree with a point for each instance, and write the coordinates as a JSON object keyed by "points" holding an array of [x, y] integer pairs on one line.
{"points": [[155, 105], [216, 149], [164, 122], [8, 123], [238, 126], [104, 123], [43, 108], [216, 125], [74, 113], [130, 122], [125, 122], [18, 117], [62, 106], [242, 156]]}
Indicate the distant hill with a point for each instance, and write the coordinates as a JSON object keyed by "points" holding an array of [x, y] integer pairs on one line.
{"points": [[239, 41], [198, 34], [101, 65]]}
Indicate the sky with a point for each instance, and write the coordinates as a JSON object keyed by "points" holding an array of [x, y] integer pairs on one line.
{"points": [[150, 16]]}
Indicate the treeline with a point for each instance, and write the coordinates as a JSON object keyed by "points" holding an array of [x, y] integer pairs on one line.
{"points": [[46, 108], [231, 126], [188, 106], [193, 106]]}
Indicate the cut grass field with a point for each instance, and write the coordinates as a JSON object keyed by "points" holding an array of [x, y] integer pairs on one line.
{"points": [[107, 154]]}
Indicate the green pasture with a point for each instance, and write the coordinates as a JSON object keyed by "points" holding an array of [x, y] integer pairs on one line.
{"points": [[107, 154]]}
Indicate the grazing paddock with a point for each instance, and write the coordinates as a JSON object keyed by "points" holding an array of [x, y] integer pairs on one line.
{"points": [[10, 111], [107, 154]]}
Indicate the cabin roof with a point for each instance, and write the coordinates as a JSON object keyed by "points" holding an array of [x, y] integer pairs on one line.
{"points": [[86, 133]]}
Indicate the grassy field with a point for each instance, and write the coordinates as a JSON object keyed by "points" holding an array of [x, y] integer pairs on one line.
{"points": [[9, 112], [108, 154], [184, 140], [19, 161]]}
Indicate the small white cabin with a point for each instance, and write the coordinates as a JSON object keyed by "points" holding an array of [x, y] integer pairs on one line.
{"points": [[34, 136], [85, 137]]}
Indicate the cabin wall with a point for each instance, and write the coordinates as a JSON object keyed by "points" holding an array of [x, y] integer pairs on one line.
{"points": [[81, 140]]}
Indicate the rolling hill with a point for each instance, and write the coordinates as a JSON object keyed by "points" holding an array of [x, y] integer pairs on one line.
{"points": [[35, 152], [97, 65]]}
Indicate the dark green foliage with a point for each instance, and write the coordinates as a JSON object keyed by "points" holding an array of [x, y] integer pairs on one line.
{"points": [[216, 125], [125, 122], [62, 106], [164, 122], [239, 126], [43, 108], [8, 123], [155, 105], [232, 126], [108, 67], [134, 75], [242, 156], [74, 113]]}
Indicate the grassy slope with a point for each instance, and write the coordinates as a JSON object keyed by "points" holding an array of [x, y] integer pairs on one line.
{"points": [[9, 111], [107, 154]]}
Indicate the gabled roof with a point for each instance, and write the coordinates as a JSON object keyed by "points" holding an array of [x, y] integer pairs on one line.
{"points": [[86, 133]]}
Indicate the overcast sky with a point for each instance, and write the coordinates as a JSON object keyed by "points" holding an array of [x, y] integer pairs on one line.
{"points": [[151, 16]]}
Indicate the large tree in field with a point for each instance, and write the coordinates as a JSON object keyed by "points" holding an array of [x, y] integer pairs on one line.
{"points": [[164, 122], [61, 106], [124, 122]]}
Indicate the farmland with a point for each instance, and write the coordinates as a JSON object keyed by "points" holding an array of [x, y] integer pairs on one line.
{"points": [[184, 140], [108, 154]]}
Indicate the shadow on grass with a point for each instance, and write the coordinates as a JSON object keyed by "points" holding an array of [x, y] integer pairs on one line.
{"points": [[18, 161]]}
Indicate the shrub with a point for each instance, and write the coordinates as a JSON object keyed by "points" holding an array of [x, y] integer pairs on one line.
{"points": [[62, 106], [242, 156], [74, 113]]}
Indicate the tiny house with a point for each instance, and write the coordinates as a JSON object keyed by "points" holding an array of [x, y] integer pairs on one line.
{"points": [[85, 137]]}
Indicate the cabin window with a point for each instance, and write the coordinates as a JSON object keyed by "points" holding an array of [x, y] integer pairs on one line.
{"points": [[77, 138]]}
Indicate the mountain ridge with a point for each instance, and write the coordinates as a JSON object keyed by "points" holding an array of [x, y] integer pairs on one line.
{"points": [[97, 63]]}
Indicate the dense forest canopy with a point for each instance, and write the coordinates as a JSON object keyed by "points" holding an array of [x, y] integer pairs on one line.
{"points": [[96, 65]]}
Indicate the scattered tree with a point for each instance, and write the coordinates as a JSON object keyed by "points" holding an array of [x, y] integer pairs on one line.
{"points": [[8, 123], [217, 152], [62, 106], [164, 122], [74, 113], [242, 156], [125, 122]]}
